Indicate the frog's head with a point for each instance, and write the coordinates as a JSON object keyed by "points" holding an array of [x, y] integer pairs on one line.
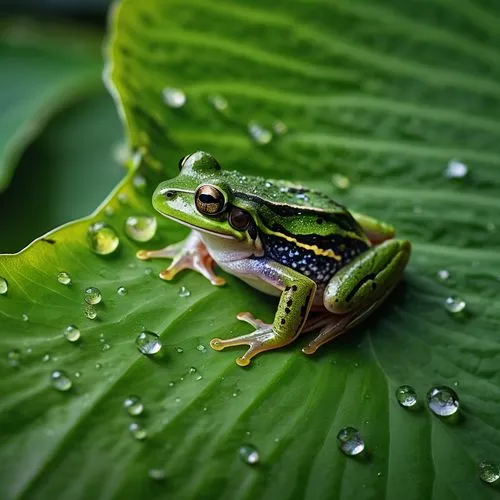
{"points": [[200, 198]]}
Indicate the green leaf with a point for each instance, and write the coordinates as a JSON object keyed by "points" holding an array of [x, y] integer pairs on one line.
{"points": [[386, 94], [43, 69], [71, 165]]}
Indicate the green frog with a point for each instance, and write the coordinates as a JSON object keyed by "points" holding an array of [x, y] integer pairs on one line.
{"points": [[330, 267]]}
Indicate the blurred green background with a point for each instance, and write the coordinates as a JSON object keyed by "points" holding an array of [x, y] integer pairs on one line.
{"points": [[60, 136]]}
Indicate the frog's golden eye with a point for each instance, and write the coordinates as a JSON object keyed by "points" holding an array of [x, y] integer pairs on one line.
{"points": [[182, 161], [239, 219], [209, 200]]}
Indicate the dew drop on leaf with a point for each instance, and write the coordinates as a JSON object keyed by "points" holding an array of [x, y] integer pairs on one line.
{"points": [[280, 127], [454, 305], [25, 317], [137, 431], [259, 134], [489, 472], [60, 381], [148, 342], [218, 102], [14, 357], [443, 274], [184, 292], [341, 181], [140, 227], [4, 286], [157, 474], [64, 278], [350, 441], [102, 238], [406, 396], [455, 170], [173, 98], [90, 312], [72, 333], [133, 405], [93, 295], [121, 291], [442, 400], [249, 454]]}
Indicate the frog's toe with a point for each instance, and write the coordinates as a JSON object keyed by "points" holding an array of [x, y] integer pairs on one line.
{"points": [[249, 318]]}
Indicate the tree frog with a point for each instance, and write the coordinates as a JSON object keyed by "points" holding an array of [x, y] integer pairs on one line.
{"points": [[329, 267]]}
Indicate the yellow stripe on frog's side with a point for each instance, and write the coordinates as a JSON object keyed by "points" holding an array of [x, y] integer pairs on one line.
{"points": [[318, 251]]}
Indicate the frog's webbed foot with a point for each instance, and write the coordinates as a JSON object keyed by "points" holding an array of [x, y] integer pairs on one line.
{"points": [[188, 254], [262, 339]]}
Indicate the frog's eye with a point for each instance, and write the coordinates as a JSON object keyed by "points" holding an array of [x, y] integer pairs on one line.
{"points": [[209, 200], [239, 219], [182, 161]]}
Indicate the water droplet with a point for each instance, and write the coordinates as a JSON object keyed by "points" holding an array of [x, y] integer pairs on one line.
{"points": [[280, 127], [456, 170], [178, 400], [123, 198], [64, 278], [406, 396], [350, 442], [14, 357], [456, 383], [489, 472], [192, 370], [105, 347], [173, 98], [259, 134], [157, 474], [72, 333], [90, 312], [454, 305], [236, 393], [98, 366], [171, 383], [140, 183], [201, 348], [102, 238], [109, 211], [78, 374], [93, 295], [137, 431], [148, 271], [140, 227], [442, 400], [148, 342], [184, 291], [179, 350], [25, 317], [218, 102], [60, 381], [46, 357], [4, 286], [341, 181], [443, 274], [133, 405], [249, 454], [121, 291]]}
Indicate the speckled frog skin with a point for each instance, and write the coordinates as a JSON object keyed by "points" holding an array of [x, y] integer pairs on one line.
{"points": [[329, 267]]}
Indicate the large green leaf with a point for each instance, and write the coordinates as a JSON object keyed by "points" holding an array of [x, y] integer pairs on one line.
{"points": [[386, 94], [43, 69]]}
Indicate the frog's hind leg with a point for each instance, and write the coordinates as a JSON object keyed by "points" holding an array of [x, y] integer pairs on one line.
{"points": [[190, 253]]}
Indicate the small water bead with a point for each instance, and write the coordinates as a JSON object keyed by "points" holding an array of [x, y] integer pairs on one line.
{"points": [[25, 317], [259, 134], [4, 286], [148, 271], [171, 383], [442, 401], [133, 405], [93, 295], [14, 357], [280, 127], [180, 350], [121, 291], [102, 238], [341, 181], [201, 348], [249, 454], [72, 333], [140, 227], [139, 182], [148, 343], [109, 211], [173, 97], [218, 102], [64, 278], [454, 304], [157, 474], [98, 366], [137, 431], [78, 374], [406, 396], [489, 472], [184, 291], [46, 357], [90, 312], [105, 347], [456, 170], [443, 274], [60, 381], [350, 442], [123, 198]]}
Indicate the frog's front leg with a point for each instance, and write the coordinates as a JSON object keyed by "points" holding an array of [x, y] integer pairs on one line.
{"points": [[376, 230], [297, 294], [190, 253], [360, 287]]}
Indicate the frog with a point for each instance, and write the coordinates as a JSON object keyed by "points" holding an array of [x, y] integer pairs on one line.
{"points": [[329, 267]]}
